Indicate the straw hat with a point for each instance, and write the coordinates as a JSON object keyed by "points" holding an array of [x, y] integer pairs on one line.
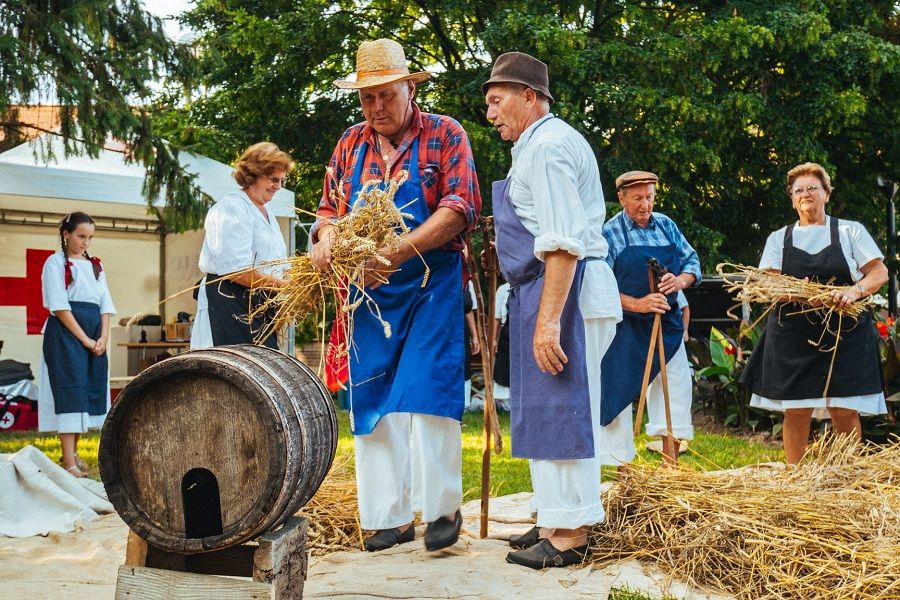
{"points": [[380, 62]]}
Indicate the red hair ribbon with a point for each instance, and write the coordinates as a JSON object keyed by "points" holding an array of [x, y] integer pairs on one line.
{"points": [[97, 265], [69, 278]]}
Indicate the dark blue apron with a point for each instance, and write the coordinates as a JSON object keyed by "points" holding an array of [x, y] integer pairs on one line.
{"points": [[227, 304], [550, 415], [419, 368], [78, 379], [785, 365], [622, 369]]}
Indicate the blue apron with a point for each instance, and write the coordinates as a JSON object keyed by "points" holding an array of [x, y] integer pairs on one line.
{"points": [[622, 369], [78, 379], [550, 415], [419, 369]]}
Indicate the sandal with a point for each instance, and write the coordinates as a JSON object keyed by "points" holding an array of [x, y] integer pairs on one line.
{"points": [[81, 464], [74, 471]]}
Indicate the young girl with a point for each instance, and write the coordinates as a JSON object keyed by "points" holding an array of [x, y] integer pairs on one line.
{"points": [[74, 388]]}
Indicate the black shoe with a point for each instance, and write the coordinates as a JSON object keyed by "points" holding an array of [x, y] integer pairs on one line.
{"points": [[543, 555], [525, 540], [443, 532], [388, 538]]}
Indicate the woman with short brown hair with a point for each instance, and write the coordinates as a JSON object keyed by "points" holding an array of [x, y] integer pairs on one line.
{"points": [[241, 233], [790, 366]]}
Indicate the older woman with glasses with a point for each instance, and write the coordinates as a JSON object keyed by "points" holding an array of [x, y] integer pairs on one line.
{"points": [[788, 370], [241, 233]]}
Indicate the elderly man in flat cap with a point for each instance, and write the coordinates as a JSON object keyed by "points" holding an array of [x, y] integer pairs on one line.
{"points": [[563, 307], [636, 235], [406, 391]]}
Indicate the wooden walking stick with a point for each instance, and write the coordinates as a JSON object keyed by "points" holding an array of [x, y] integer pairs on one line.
{"points": [[654, 270], [491, 425]]}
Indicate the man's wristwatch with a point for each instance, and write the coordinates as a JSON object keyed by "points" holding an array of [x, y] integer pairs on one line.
{"points": [[861, 289]]}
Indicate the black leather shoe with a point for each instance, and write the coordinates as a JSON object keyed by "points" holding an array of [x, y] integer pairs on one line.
{"points": [[525, 540], [388, 538], [443, 532], [543, 555]]}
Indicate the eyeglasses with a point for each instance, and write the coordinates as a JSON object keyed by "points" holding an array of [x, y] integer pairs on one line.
{"points": [[280, 181], [808, 189]]}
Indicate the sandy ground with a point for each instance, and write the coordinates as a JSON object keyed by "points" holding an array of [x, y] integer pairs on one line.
{"points": [[83, 565]]}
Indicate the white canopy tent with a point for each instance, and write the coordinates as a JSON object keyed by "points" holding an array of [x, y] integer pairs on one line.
{"points": [[144, 263]]}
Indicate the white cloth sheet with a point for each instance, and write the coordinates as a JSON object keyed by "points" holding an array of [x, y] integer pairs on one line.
{"points": [[858, 248], [237, 236], [85, 287], [409, 463], [37, 496]]}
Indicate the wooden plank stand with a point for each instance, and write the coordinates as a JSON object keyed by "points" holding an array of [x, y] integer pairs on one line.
{"points": [[277, 561]]}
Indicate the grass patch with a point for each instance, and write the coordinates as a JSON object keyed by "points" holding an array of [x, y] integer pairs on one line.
{"points": [[508, 475]]}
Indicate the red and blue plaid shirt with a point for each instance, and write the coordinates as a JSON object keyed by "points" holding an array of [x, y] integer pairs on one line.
{"points": [[446, 167]]}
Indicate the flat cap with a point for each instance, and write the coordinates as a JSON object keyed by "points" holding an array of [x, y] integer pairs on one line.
{"points": [[635, 177]]}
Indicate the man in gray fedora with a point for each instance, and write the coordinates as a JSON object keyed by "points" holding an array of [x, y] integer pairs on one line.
{"points": [[563, 307]]}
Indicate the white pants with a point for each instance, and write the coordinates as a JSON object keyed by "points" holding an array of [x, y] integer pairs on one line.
{"points": [[617, 438], [409, 463], [567, 492]]}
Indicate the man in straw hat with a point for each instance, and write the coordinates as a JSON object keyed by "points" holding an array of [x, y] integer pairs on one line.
{"points": [[636, 235], [406, 391], [563, 307]]}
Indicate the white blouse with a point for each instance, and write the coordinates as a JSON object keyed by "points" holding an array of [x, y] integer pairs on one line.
{"points": [[239, 236], [84, 287], [857, 245], [555, 191]]}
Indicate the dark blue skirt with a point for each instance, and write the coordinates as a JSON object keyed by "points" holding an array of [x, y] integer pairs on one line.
{"points": [[79, 380]]}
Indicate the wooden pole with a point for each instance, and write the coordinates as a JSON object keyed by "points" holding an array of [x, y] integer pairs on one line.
{"points": [[668, 439], [491, 426], [646, 381]]}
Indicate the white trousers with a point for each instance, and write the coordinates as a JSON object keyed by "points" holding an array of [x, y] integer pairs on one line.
{"points": [[567, 492], [409, 463], [617, 438]]}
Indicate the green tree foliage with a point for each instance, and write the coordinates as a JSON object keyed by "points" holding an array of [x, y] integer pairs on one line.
{"points": [[96, 60], [719, 98]]}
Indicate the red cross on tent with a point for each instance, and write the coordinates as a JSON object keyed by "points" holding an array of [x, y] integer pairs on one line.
{"points": [[26, 291]]}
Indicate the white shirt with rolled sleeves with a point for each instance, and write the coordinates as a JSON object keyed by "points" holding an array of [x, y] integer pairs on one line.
{"points": [[556, 193], [237, 236]]}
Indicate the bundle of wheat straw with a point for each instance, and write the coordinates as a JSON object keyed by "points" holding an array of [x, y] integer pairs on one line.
{"points": [[765, 287], [829, 528], [332, 513], [374, 224]]}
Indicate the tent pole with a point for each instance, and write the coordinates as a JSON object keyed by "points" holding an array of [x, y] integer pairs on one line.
{"points": [[162, 268]]}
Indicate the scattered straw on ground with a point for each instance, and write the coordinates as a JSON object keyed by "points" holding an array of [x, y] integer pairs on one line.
{"points": [[829, 528], [332, 514]]}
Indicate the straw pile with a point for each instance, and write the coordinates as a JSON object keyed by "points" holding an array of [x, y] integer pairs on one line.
{"points": [[332, 514], [829, 528], [374, 224]]}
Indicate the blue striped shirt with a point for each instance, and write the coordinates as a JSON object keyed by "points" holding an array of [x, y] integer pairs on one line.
{"points": [[660, 231]]}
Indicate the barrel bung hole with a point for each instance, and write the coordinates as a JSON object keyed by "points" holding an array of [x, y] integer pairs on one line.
{"points": [[201, 503]]}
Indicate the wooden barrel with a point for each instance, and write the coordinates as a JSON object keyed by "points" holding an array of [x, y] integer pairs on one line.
{"points": [[214, 447]]}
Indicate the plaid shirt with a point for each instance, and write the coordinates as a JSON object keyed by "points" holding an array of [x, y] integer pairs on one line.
{"points": [[660, 231], [446, 167]]}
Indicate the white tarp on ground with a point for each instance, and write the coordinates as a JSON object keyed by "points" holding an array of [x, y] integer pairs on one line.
{"points": [[37, 496]]}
